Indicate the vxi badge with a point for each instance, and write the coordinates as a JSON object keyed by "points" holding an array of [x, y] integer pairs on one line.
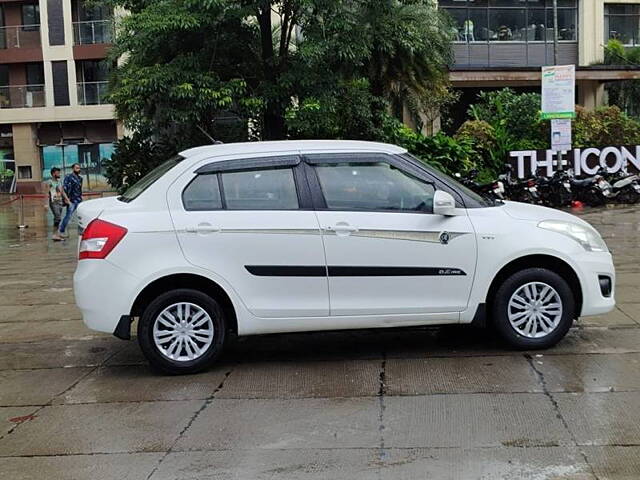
{"points": [[450, 271]]}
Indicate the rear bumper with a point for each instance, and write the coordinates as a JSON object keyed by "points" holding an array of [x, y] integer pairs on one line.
{"points": [[103, 293], [591, 267]]}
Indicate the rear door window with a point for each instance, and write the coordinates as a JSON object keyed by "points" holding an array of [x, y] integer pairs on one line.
{"points": [[263, 189]]}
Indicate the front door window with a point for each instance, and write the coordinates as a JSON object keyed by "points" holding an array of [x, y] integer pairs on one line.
{"points": [[373, 186]]}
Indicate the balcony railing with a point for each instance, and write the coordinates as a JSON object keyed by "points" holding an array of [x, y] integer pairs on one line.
{"points": [[22, 96], [20, 36], [93, 31], [92, 93]]}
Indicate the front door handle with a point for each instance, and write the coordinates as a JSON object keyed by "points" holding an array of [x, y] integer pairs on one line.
{"points": [[342, 229]]}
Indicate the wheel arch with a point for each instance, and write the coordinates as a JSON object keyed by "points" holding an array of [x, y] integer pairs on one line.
{"points": [[186, 280], [550, 262]]}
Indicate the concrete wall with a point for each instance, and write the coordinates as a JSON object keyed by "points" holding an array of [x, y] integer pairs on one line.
{"points": [[592, 36], [26, 151]]}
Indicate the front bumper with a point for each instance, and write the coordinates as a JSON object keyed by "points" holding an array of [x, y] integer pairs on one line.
{"points": [[592, 267], [104, 292]]}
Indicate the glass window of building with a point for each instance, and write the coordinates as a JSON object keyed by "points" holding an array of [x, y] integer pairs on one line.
{"points": [[4, 75], [30, 17], [511, 20], [35, 74], [622, 22], [507, 24]]}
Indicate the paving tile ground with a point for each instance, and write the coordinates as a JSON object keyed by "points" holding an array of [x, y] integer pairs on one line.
{"points": [[443, 403]]}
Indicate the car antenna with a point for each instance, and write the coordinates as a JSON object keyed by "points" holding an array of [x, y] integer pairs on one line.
{"points": [[213, 140]]}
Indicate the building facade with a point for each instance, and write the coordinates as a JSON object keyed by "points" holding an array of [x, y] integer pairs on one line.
{"points": [[503, 43], [53, 77]]}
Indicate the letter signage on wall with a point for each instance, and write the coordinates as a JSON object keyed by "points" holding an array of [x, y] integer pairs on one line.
{"points": [[583, 161]]}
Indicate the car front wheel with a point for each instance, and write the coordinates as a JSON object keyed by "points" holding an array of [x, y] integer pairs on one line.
{"points": [[182, 331], [533, 308]]}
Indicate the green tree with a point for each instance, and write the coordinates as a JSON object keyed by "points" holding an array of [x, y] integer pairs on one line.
{"points": [[184, 62], [194, 70]]}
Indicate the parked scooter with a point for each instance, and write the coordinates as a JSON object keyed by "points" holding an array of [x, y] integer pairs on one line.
{"points": [[625, 188]]}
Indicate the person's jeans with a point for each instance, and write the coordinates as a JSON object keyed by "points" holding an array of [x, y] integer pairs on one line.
{"points": [[67, 217], [56, 207]]}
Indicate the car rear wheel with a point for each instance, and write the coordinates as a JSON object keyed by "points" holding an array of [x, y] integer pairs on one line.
{"points": [[182, 331], [533, 308]]}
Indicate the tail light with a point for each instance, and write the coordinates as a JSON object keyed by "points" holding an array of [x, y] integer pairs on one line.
{"points": [[531, 183], [99, 238]]}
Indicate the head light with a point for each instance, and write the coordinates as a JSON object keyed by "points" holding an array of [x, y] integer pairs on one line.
{"points": [[588, 237]]}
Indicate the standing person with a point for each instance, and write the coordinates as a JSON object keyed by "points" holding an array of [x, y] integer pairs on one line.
{"points": [[72, 194], [55, 196]]}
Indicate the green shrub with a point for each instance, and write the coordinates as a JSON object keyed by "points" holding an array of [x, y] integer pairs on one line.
{"points": [[604, 126], [447, 154], [518, 114], [481, 133]]}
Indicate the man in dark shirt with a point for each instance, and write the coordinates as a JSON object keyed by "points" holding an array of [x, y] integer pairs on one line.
{"points": [[72, 194]]}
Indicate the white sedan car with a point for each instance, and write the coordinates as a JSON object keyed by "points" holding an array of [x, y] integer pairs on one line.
{"points": [[294, 236]]}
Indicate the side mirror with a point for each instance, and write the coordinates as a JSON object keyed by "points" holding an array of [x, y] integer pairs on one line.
{"points": [[444, 204]]}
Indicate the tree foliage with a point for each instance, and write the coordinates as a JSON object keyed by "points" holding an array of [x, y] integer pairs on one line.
{"points": [[192, 70]]}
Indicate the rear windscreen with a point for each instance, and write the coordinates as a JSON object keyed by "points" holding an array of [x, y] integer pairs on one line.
{"points": [[149, 179]]}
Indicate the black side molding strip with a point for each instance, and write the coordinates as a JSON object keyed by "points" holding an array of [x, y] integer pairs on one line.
{"points": [[335, 271], [349, 271], [287, 270]]}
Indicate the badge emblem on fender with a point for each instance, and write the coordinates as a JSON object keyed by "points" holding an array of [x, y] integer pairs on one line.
{"points": [[444, 238]]}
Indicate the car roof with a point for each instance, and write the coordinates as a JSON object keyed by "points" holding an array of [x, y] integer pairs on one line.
{"points": [[225, 149]]}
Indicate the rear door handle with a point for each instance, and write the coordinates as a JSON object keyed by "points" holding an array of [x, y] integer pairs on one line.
{"points": [[202, 228]]}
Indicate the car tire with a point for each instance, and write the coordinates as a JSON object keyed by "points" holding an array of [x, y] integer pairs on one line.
{"points": [[525, 309], [182, 331]]}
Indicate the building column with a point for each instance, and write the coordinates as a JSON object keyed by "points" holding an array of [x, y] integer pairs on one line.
{"points": [[591, 94], [591, 32], [27, 154]]}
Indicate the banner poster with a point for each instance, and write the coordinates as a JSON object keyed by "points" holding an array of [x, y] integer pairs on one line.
{"points": [[558, 92]]}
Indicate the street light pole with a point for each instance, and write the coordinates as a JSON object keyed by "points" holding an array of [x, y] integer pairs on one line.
{"points": [[555, 32]]}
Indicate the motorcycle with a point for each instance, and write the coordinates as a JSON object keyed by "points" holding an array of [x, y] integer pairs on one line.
{"points": [[494, 190], [593, 191], [555, 191], [518, 190]]}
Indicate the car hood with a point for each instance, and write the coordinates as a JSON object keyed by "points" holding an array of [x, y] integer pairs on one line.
{"points": [[526, 211], [91, 209]]}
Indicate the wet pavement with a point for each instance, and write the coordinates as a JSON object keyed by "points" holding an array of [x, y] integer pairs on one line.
{"points": [[444, 403]]}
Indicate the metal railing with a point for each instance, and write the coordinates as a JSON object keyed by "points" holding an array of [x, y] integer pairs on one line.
{"points": [[92, 93], [22, 96], [20, 36], [92, 31]]}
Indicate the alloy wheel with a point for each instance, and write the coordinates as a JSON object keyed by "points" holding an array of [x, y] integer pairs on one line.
{"points": [[183, 332], [535, 310]]}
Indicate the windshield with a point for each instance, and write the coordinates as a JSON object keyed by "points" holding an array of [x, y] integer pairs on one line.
{"points": [[149, 179], [452, 182]]}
